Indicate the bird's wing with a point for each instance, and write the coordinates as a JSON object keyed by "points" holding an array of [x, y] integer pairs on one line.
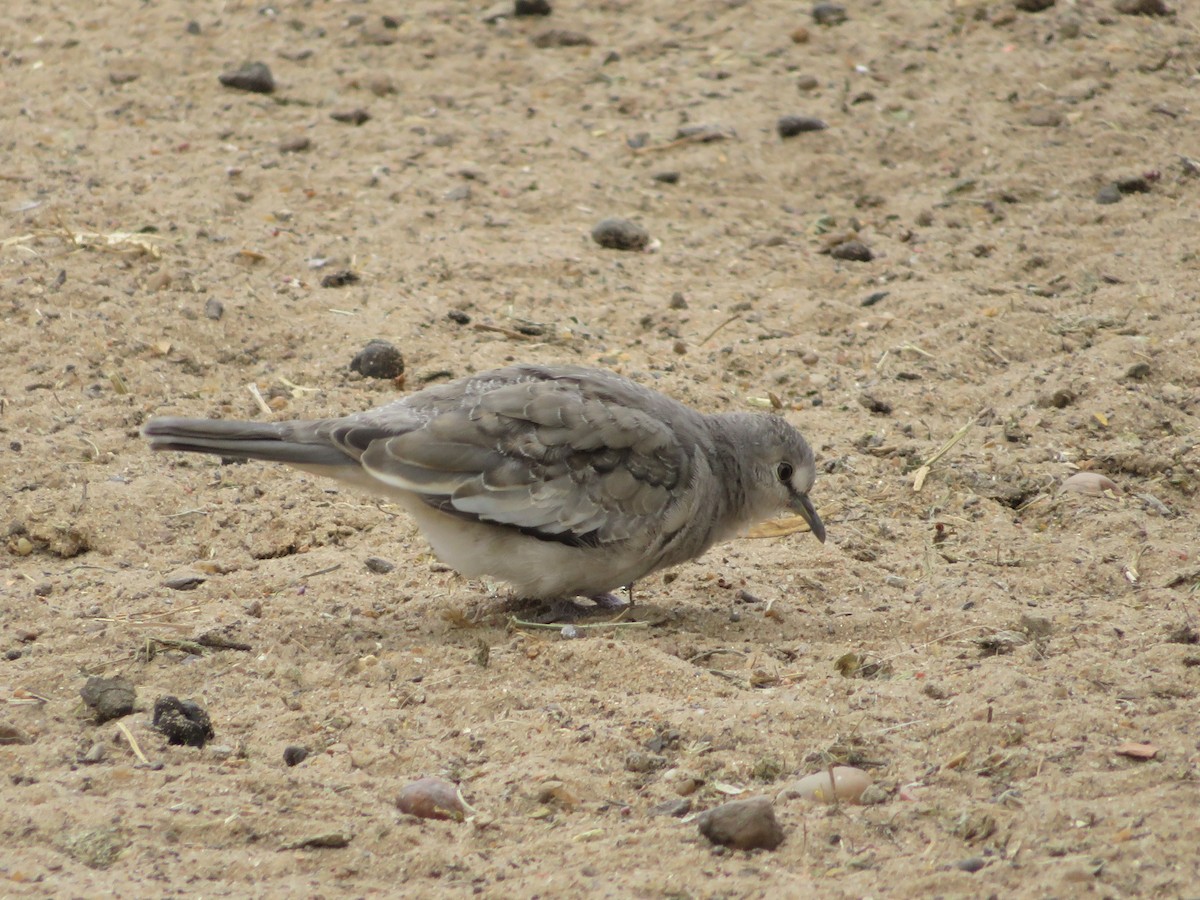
{"points": [[580, 460]]}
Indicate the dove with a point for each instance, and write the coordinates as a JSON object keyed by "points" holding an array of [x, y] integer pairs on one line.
{"points": [[563, 481]]}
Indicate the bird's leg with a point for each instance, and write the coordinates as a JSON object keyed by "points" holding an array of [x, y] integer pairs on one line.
{"points": [[611, 601]]}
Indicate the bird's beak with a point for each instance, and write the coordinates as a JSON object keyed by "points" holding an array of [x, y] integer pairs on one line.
{"points": [[803, 507]]}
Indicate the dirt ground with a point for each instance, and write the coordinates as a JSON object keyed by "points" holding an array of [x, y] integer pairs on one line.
{"points": [[994, 650]]}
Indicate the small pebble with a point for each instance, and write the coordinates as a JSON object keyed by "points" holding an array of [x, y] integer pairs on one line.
{"points": [[742, 824], [187, 582], [971, 864], [560, 37], [108, 698], [432, 798], [296, 144], [192, 27], [184, 722], [800, 35], [254, 77], [1143, 8], [1091, 484], [852, 251], [532, 8], [1136, 372], [95, 754], [829, 14], [44, 588], [1033, 5], [674, 808], [806, 83], [569, 632], [378, 359], [350, 116], [379, 565], [295, 754], [458, 317], [844, 784], [790, 126], [641, 761], [340, 278], [872, 299], [678, 301], [1110, 193], [1044, 117], [214, 309], [874, 403], [667, 177], [620, 234]]}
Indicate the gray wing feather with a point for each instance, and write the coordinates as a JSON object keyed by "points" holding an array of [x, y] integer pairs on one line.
{"points": [[564, 458]]}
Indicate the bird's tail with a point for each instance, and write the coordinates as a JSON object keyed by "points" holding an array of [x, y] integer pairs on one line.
{"points": [[294, 443]]}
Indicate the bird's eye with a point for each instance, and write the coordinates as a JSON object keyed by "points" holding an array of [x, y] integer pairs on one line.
{"points": [[785, 471]]}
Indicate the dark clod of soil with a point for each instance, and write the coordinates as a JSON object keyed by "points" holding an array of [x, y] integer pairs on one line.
{"points": [[829, 14], [378, 359], [790, 126], [742, 824], [852, 251], [255, 77], [667, 177], [340, 278], [458, 317], [294, 754], [531, 8], [620, 234], [108, 698], [1033, 5], [214, 309], [184, 722]]}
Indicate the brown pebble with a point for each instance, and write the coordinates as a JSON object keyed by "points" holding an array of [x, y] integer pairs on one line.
{"points": [[620, 234], [852, 251], [350, 116], [431, 798], [254, 77], [790, 126], [1142, 8], [1044, 117], [800, 35], [297, 144], [742, 824], [560, 37]]}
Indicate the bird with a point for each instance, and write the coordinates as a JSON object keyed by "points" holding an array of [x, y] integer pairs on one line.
{"points": [[563, 481]]}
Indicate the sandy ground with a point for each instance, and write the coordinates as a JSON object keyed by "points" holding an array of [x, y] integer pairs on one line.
{"points": [[164, 243]]}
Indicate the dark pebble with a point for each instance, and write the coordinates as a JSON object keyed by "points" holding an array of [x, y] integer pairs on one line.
{"points": [[378, 359], [340, 278], [872, 299], [43, 589], [295, 754], [531, 8], [1138, 371], [255, 77], [742, 824], [1110, 193], [829, 13], [853, 251], [1033, 5], [184, 722], [193, 27], [184, 582], [620, 234], [379, 565], [676, 808], [350, 116], [667, 177], [875, 404], [458, 317], [559, 37], [1143, 8], [214, 309], [790, 126], [10, 655], [1138, 184], [678, 301], [971, 864], [108, 698]]}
